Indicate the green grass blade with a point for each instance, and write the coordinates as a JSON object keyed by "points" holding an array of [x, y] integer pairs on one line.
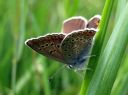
{"points": [[120, 86], [120, 6], [21, 29], [110, 60], [98, 45]]}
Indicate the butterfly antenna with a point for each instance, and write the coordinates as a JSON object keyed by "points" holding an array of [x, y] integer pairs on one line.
{"points": [[56, 72]]}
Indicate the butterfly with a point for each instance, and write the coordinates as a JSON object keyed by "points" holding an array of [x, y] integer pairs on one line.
{"points": [[72, 45]]}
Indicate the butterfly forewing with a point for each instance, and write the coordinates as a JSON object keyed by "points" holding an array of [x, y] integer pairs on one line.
{"points": [[76, 45], [48, 45], [74, 23]]}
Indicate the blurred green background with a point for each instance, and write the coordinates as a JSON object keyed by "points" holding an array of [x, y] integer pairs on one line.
{"points": [[23, 71]]}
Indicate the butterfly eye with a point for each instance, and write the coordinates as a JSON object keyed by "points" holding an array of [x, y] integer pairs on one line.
{"points": [[70, 66]]}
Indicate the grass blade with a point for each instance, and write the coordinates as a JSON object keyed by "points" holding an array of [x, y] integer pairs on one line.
{"points": [[110, 59], [98, 45]]}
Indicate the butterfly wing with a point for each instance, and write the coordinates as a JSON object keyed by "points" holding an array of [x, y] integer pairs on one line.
{"points": [[76, 46], [48, 45], [94, 22], [74, 23]]}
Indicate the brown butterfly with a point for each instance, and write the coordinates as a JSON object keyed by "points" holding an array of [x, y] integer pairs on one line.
{"points": [[72, 45]]}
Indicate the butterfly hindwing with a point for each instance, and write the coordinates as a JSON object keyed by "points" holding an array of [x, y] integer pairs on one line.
{"points": [[94, 22], [48, 45], [75, 46], [74, 23]]}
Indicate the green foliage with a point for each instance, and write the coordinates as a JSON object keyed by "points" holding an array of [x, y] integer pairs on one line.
{"points": [[24, 72], [110, 51]]}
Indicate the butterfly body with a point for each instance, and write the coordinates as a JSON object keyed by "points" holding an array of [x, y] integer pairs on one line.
{"points": [[71, 47]]}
